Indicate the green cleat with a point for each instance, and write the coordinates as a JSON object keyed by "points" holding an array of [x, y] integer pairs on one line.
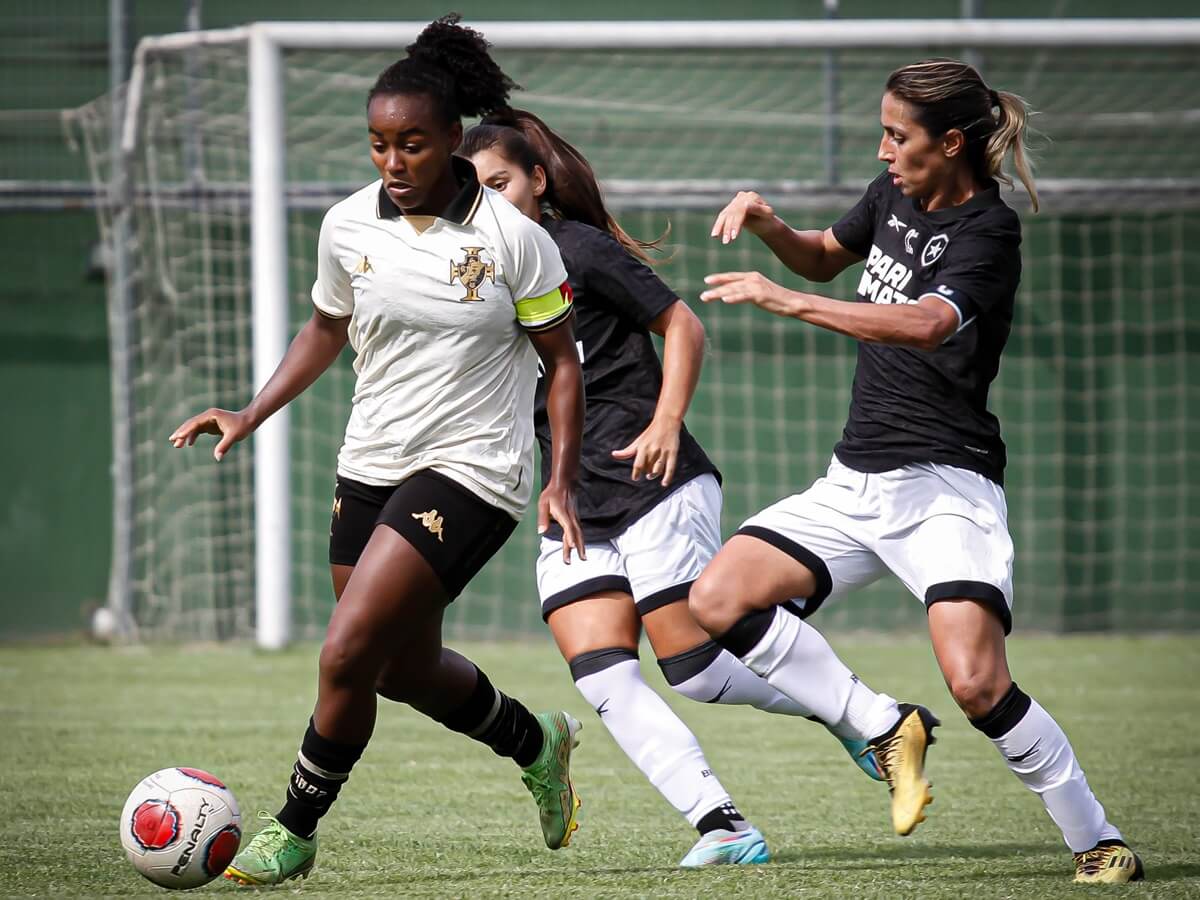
{"points": [[549, 779], [273, 856]]}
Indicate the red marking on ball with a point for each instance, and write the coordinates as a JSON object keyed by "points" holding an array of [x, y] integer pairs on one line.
{"points": [[201, 775], [155, 824], [221, 849]]}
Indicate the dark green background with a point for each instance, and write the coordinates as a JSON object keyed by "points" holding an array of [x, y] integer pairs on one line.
{"points": [[55, 456]]}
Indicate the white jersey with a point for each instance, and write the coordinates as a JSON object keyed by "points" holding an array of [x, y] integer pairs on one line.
{"points": [[439, 308]]}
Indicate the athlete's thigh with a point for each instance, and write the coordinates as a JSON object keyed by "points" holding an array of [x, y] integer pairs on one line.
{"points": [[561, 585], [806, 548], [672, 629], [601, 621], [947, 537], [393, 598]]}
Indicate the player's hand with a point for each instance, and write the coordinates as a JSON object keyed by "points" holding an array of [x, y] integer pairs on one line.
{"points": [[750, 287], [747, 210], [557, 502], [231, 426], [654, 452]]}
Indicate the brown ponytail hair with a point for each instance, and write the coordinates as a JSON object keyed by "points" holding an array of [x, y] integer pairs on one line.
{"points": [[572, 191], [946, 94]]}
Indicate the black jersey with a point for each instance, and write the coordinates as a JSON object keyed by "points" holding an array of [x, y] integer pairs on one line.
{"points": [[912, 405], [615, 298]]}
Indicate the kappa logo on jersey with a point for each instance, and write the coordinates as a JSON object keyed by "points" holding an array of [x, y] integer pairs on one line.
{"points": [[431, 519], [472, 272], [363, 267], [912, 235], [884, 280], [945, 291], [934, 249], [893, 222]]}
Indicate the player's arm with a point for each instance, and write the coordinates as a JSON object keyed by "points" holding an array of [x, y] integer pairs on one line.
{"points": [[655, 451], [815, 255], [924, 325], [555, 347], [311, 352]]}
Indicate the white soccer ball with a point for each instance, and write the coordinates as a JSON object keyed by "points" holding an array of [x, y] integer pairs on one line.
{"points": [[181, 827]]}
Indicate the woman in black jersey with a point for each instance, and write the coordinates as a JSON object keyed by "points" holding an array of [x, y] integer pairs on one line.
{"points": [[650, 532], [915, 485], [436, 465]]}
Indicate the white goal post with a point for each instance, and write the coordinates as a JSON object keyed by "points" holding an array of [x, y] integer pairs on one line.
{"points": [[266, 44]]}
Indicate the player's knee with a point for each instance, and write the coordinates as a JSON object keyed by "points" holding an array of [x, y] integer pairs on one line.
{"points": [[975, 692], [713, 604], [343, 661]]}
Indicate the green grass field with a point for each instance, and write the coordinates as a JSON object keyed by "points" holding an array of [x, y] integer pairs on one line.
{"points": [[429, 813]]}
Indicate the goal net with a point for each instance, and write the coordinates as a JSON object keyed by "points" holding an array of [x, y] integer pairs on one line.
{"points": [[1094, 394]]}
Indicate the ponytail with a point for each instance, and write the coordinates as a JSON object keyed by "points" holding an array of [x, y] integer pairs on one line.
{"points": [[1011, 129], [450, 63], [572, 191]]}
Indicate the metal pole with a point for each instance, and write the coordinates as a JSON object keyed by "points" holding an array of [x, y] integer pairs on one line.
{"points": [[832, 131], [121, 334], [269, 302], [193, 156], [973, 9]]}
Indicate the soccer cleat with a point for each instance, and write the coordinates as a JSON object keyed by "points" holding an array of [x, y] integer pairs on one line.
{"points": [[549, 779], [863, 756], [1109, 862], [728, 848], [273, 856], [900, 755]]}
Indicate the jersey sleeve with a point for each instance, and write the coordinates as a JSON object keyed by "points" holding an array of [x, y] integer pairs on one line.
{"points": [[332, 294], [856, 229], [608, 269], [537, 278], [977, 274]]}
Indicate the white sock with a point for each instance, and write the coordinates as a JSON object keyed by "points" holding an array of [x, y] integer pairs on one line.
{"points": [[1038, 752], [796, 659], [649, 732], [711, 675]]}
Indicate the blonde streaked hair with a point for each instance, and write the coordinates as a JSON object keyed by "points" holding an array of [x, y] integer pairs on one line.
{"points": [[947, 93]]}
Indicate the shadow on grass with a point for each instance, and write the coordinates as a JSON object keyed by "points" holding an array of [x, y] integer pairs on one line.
{"points": [[918, 851]]}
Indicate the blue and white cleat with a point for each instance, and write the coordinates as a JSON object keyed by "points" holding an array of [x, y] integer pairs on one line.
{"points": [[863, 756], [728, 848]]}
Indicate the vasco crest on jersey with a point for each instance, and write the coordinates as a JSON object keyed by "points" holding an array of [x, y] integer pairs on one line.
{"points": [[472, 272]]}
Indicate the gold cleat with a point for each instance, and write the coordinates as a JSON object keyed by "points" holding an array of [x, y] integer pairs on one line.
{"points": [[1109, 862], [900, 754]]}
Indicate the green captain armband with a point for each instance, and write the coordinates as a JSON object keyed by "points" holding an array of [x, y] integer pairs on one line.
{"points": [[546, 311]]}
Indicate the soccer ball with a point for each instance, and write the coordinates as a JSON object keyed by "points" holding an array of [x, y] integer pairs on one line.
{"points": [[181, 827]]}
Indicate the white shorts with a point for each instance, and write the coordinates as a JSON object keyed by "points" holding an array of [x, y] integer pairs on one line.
{"points": [[656, 559], [941, 530]]}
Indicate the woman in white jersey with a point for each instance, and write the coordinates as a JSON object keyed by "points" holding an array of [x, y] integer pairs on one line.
{"points": [[449, 297], [649, 498], [915, 486]]}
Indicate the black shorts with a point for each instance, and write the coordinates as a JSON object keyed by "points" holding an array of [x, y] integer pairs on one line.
{"points": [[456, 531]]}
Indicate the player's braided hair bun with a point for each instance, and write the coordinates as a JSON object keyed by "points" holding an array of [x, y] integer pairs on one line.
{"points": [[451, 63]]}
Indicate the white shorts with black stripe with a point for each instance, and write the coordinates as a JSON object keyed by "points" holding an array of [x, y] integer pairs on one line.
{"points": [[656, 559], [942, 530]]}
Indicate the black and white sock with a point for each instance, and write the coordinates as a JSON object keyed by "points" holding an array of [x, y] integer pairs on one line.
{"points": [[710, 674], [724, 818], [322, 767], [795, 659], [498, 720], [1038, 752], [652, 736]]}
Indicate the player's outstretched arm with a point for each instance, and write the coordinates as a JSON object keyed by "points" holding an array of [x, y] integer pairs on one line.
{"points": [[924, 325], [815, 255], [312, 351], [564, 407], [656, 450]]}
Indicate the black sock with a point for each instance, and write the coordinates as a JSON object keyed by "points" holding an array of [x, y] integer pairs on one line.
{"points": [[322, 767], [503, 723], [724, 818]]}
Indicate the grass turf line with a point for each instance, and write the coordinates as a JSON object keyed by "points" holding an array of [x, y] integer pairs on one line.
{"points": [[429, 813]]}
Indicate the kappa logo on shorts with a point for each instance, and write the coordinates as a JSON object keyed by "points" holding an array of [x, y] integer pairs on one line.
{"points": [[363, 267], [432, 521], [337, 507], [472, 272]]}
